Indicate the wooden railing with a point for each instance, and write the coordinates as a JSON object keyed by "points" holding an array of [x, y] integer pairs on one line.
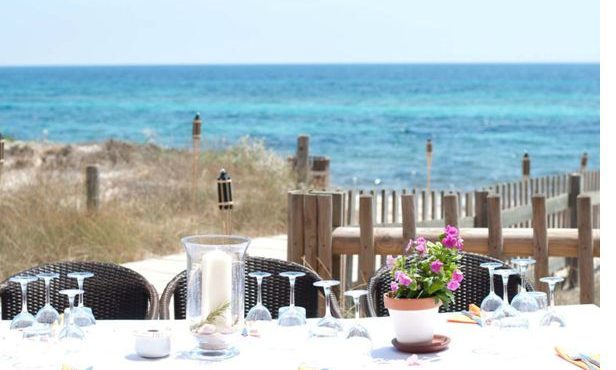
{"points": [[319, 236]]}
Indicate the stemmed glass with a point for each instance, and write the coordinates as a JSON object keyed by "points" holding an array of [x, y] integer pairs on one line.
{"points": [[327, 326], [506, 315], [524, 302], [259, 312], [357, 330], [24, 318], [70, 331], [552, 318], [292, 315], [47, 314], [492, 302], [83, 315]]}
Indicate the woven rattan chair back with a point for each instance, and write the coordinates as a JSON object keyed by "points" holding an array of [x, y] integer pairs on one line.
{"points": [[275, 289], [473, 289], [114, 292]]}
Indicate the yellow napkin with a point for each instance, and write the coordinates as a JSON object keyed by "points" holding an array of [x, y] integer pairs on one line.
{"points": [[463, 319], [563, 354]]}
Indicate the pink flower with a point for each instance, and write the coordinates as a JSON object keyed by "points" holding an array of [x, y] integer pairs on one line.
{"points": [[408, 246], [450, 241], [457, 276], [393, 286], [402, 278], [460, 244], [390, 261], [453, 285], [451, 230], [420, 245], [436, 266]]}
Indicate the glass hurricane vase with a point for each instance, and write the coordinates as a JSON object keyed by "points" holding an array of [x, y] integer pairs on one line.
{"points": [[215, 293]]}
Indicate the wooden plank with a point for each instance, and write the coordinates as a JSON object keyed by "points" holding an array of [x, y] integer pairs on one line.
{"points": [[481, 208], [433, 205], [301, 156], [295, 227], [408, 218], [516, 242], [394, 206], [350, 208], [441, 203], [338, 220], [585, 250], [384, 207], [495, 227], [451, 209], [424, 206], [507, 202], [469, 204], [92, 188], [311, 241], [540, 240], [324, 235], [366, 239]]}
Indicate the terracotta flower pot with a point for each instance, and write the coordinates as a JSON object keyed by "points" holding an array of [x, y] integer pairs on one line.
{"points": [[414, 318]]}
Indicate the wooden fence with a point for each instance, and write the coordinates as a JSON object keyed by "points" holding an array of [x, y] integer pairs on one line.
{"points": [[319, 234]]}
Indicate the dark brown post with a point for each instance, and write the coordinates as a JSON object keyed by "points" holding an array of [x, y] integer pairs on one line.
{"points": [[366, 238], [469, 204], [351, 208], [394, 206], [384, 207], [451, 209], [408, 218], [295, 227], [575, 188], [540, 240], [324, 226], [585, 250], [320, 172], [424, 205], [481, 208], [433, 205], [301, 157], [525, 166], [495, 226], [583, 162], [92, 188]]}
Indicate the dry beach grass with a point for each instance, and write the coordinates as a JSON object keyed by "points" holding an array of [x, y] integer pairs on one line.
{"points": [[146, 200]]}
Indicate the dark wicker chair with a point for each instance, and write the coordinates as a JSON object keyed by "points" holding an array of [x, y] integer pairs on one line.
{"points": [[114, 292], [275, 289], [473, 289]]}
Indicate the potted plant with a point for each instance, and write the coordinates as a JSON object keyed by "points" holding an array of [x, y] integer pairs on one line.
{"points": [[423, 278]]}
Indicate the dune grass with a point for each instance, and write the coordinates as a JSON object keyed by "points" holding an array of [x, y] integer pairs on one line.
{"points": [[146, 201]]}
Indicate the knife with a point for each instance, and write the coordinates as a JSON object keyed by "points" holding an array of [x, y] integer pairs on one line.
{"points": [[475, 318]]}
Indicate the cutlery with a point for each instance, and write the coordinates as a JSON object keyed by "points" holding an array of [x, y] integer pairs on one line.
{"points": [[584, 359], [475, 318], [591, 359]]}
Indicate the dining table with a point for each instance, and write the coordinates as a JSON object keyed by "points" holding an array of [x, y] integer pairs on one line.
{"points": [[110, 344]]}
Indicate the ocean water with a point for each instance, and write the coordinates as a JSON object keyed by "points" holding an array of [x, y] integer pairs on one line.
{"points": [[371, 120]]}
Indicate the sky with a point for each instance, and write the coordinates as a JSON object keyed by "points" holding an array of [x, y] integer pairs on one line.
{"points": [[118, 32]]}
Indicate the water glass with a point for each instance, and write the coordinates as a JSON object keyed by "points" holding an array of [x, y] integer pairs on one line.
{"points": [[47, 314], [292, 315], [82, 315], [327, 326], [492, 302], [24, 319]]}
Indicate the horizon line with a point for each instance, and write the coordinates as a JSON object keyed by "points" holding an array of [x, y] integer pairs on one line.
{"points": [[256, 64]]}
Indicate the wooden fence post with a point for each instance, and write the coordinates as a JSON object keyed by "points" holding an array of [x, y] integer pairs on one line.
{"points": [[495, 226], [525, 166], [301, 157], [540, 240], [409, 229], [295, 226], [325, 264], [196, 151], [351, 208], [311, 239], [366, 239], [394, 206], [469, 204], [451, 209], [92, 188], [481, 209], [1, 157], [384, 207], [585, 249], [575, 188], [319, 173], [583, 162]]}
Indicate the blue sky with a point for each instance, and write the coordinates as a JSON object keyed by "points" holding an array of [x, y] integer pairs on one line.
{"points": [[66, 32]]}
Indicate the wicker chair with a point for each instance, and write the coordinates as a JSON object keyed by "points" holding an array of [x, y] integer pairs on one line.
{"points": [[473, 288], [275, 289], [114, 292]]}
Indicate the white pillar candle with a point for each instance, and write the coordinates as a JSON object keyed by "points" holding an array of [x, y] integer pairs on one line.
{"points": [[216, 283]]}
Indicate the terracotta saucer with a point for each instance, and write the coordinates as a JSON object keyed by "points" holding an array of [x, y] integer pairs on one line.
{"points": [[439, 343]]}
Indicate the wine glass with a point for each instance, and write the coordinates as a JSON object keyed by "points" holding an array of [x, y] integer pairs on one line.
{"points": [[492, 302], [24, 318], [70, 332], [47, 314], [524, 302], [552, 318], [357, 330], [292, 315], [82, 315], [327, 326], [259, 312], [507, 316]]}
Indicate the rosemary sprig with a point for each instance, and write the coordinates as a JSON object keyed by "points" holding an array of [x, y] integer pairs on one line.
{"points": [[212, 316]]}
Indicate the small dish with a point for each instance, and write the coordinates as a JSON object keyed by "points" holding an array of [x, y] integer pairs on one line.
{"points": [[152, 343], [439, 343]]}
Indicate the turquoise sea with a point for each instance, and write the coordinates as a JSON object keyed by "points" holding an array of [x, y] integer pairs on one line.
{"points": [[372, 120]]}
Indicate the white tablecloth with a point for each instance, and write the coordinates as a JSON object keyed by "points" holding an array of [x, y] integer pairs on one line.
{"points": [[110, 345]]}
